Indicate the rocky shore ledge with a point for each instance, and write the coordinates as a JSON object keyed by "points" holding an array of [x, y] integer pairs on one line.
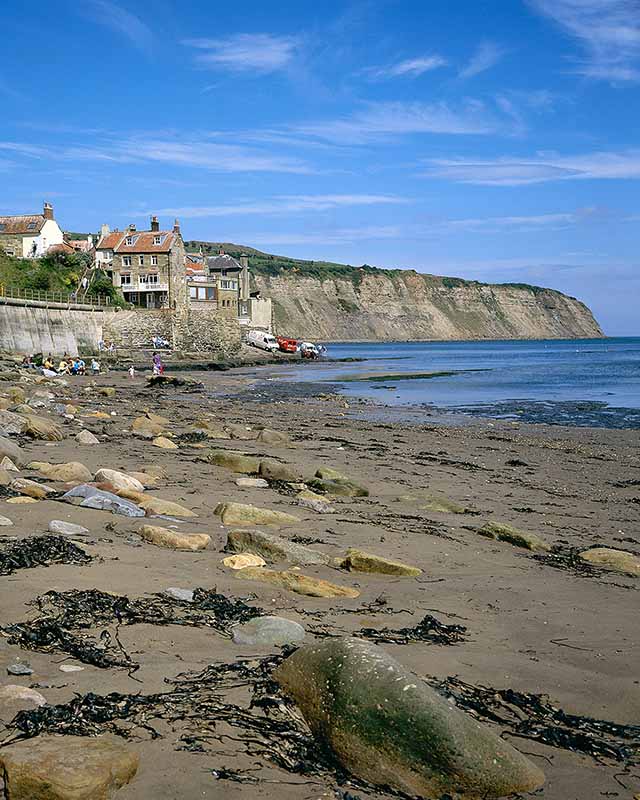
{"points": [[210, 593]]}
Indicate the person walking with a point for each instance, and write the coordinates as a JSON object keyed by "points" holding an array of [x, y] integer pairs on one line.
{"points": [[157, 364]]}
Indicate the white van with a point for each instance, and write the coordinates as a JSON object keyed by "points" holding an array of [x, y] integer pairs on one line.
{"points": [[265, 341]]}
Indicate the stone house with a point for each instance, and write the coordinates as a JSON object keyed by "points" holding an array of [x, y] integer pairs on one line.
{"points": [[30, 235], [147, 266], [219, 282]]}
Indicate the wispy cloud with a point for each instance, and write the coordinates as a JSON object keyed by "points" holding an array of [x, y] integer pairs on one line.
{"points": [[541, 168], [375, 121], [609, 31], [410, 68], [332, 236], [486, 56], [245, 52], [121, 21], [282, 205]]}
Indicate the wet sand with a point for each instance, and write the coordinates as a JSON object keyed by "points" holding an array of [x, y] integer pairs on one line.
{"points": [[531, 627]]}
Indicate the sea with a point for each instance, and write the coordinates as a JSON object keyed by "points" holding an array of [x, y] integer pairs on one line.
{"points": [[585, 382]]}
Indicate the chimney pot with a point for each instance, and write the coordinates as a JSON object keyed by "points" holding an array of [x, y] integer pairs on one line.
{"points": [[155, 225], [48, 211], [132, 227], [176, 226]]}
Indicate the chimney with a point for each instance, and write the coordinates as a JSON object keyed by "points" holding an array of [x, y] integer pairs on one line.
{"points": [[47, 212], [176, 227], [104, 229], [244, 261], [221, 251], [155, 225], [131, 227]]}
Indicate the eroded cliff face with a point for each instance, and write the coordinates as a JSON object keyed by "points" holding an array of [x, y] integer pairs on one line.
{"points": [[405, 305]]}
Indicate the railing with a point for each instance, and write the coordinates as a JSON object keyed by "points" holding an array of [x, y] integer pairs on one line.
{"points": [[69, 299]]}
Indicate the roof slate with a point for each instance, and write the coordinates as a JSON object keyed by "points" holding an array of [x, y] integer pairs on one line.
{"points": [[20, 224], [143, 242]]}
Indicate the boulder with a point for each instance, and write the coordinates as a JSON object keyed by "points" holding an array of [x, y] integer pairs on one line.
{"points": [[21, 501], [86, 437], [163, 537], [185, 595], [241, 432], [213, 430], [275, 438], [8, 465], [316, 502], [359, 561], [506, 533], [145, 479], [426, 501], [156, 471], [268, 631], [164, 443], [30, 488], [236, 462], [252, 483], [12, 424], [330, 474], [119, 480], [242, 560], [67, 767], [616, 560], [66, 528], [42, 428], [245, 514], [106, 391], [17, 395], [273, 470], [11, 451], [157, 419], [295, 582], [71, 471], [340, 487], [5, 477], [90, 497], [155, 506], [146, 428], [14, 698], [273, 548], [386, 726]]}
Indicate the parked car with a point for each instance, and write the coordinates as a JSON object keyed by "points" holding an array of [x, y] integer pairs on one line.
{"points": [[308, 350], [287, 345], [262, 340]]}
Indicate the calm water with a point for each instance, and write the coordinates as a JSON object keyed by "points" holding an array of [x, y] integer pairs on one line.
{"points": [[584, 382]]}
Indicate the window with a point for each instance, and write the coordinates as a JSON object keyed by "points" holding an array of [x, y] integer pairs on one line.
{"points": [[2, 226], [193, 292], [126, 261], [31, 226], [106, 256], [154, 260], [129, 240], [149, 278], [228, 285], [11, 252], [202, 293], [211, 293], [125, 279], [157, 239], [141, 260]]}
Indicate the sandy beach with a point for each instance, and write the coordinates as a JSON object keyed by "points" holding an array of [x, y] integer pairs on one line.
{"points": [[538, 623]]}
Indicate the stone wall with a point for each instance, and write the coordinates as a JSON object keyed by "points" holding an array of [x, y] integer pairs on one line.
{"points": [[136, 328], [11, 243], [28, 329]]}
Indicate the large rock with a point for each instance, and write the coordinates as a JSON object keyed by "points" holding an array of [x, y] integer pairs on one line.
{"points": [[268, 631], [241, 432], [339, 487], [86, 437], [5, 522], [427, 501], [245, 514], [10, 450], [17, 394], [359, 561], [506, 533], [213, 429], [30, 488], [164, 443], [275, 438], [66, 528], [159, 507], [243, 560], [273, 548], [5, 477], [12, 424], [273, 470], [236, 462], [90, 497], [295, 582], [163, 537], [71, 471], [617, 560], [7, 464], [146, 428], [43, 428], [14, 698], [67, 768], [385, 725], [316, 502], [119, 480], [252, 483]]}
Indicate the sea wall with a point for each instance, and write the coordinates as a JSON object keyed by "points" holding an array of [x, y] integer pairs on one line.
{"points": [[29, 329], [405, 305]]}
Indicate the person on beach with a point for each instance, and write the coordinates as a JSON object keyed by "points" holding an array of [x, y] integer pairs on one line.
{"points": [[132, 371], [157, 364], [95, 367], [48, 363]]}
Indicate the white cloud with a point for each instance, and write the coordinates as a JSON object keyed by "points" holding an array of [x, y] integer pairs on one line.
{"points": [[377, 121], [123, 22], [609, 31], [541, 168], [514, 223], [486, 56], [245, 52], [282, 205], [332, 236], [412, 67]]}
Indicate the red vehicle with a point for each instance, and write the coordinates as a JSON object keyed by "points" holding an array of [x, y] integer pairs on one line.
{"points": [[287, 345]]}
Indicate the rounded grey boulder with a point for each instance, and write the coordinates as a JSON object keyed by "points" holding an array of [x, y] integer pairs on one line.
{"points": [[268, 630], [385, 725]]}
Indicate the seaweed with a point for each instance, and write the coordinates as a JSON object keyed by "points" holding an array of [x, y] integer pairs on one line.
{"points": [[66, 613], [429, 629], [40, 551], [531, 716]]}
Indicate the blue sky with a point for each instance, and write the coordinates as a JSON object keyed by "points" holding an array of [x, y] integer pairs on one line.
{"points": [[495, 140]]}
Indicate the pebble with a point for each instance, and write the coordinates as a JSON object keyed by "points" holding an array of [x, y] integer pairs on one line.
{"points": [[268, 630], [71, 668], [19, 669], [5, 521], [66, 528], [252, 483], [180, 594]]}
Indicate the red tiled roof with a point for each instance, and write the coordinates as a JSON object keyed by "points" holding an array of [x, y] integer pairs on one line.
{"points": [[109, 241], [143, 242], [20, 224]]}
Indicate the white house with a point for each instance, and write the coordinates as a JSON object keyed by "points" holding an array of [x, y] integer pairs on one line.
{"points": [[30, 235]]}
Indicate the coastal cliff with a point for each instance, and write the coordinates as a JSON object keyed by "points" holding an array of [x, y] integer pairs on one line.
{"points": [[404, 305]]}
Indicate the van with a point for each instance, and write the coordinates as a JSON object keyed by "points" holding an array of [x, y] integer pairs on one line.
{"points": [[262, 340]]}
